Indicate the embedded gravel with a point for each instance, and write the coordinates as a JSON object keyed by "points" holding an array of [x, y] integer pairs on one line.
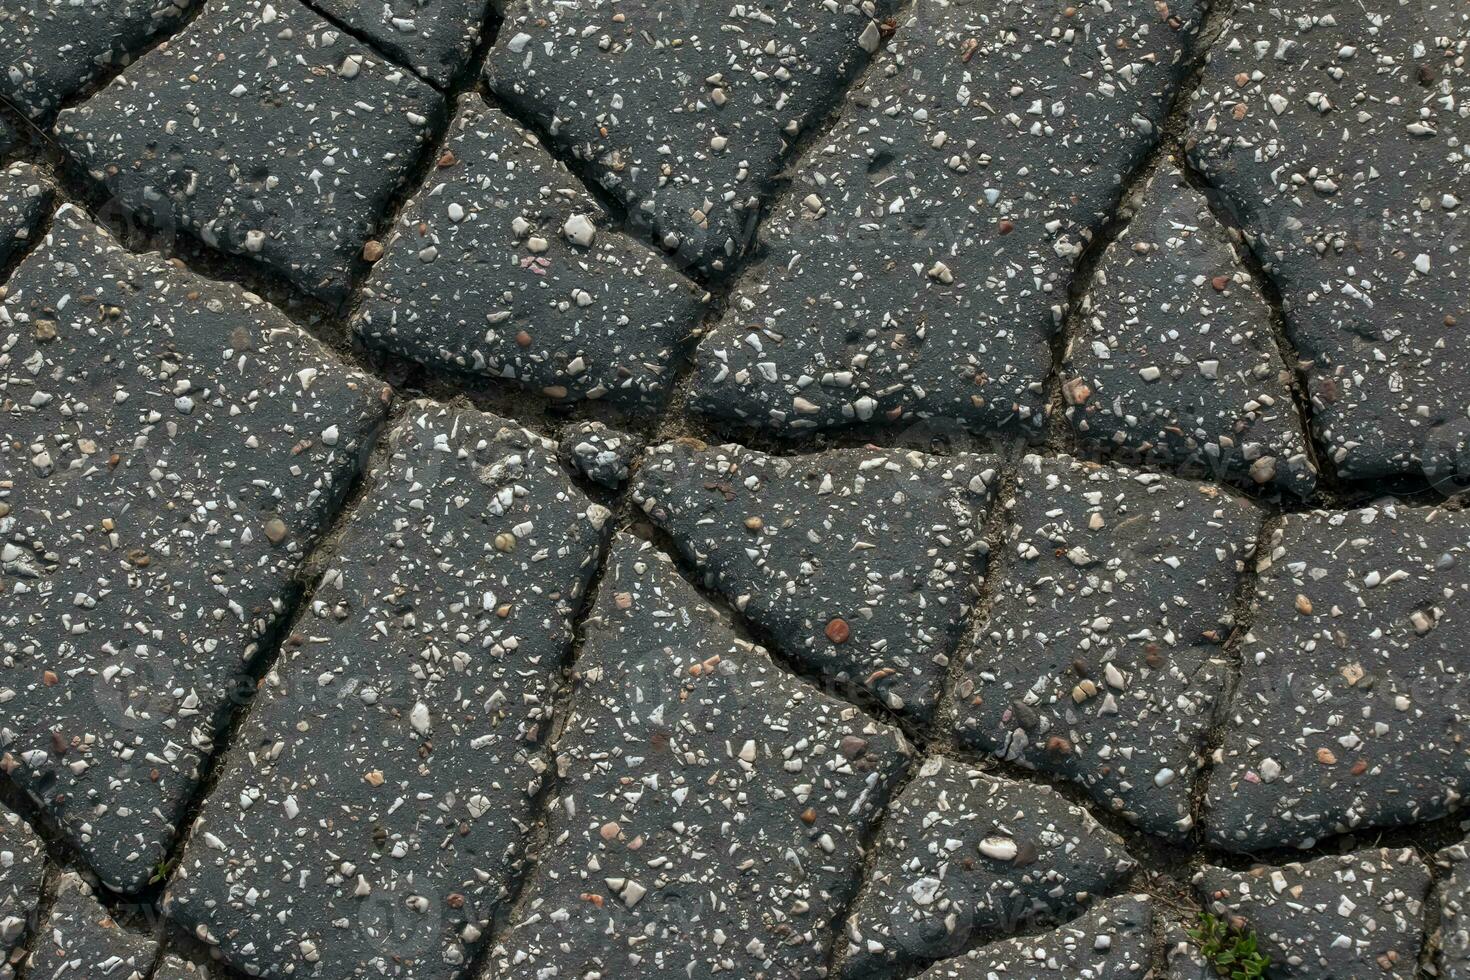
{"points": [[964, 856], [1112, 942], [81, 939], [920, 264], [1355, 690], [1453, 899], [1101, 661], [712, 809], [380, 796], [25, 200], [503, 266], [22, 864], [601, 454], [1176, 363], [967, 473], [173, 448], [685, 112], [860, 565], [264, 130], [433, 37], [1350, 915], [51, 49], [1333, 131]]}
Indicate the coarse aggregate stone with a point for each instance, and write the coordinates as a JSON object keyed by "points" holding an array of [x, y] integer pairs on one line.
{"points": [[22, 867], [920, 264], [81, 939], [601, 454], [173, 967], [1350, 915], [433, 37], [1333, 130], [1176, 363], [25, 201], [963, 856], [264, 130], [711, 810], [1452, 896], [382, 790], [861, 565], [52, 49], [1100, 659], [173, 447], [1355, 687], [503, 266], [685, 112], [1114, 941], [298, 697]]}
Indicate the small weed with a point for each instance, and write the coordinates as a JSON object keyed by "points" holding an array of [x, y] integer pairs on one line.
{"points": [[1232, 952], [160, 872]]}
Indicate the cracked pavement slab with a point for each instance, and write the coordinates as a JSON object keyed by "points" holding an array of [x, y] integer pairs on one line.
{"points": [[504, 266], [50, 50], [1350, 915], [1332, 130], [25, 201], [601, 454], [80, 938], [376, 809], [264, 130], [1355, 686], [1114, 941], [920, 264], [433, 37], [173, 448], [1100, 660], [1175, 363], [712, 810], [1452, 896], [22, 867], [959, 465], [860, 565], [964, 856], [684, 112]]}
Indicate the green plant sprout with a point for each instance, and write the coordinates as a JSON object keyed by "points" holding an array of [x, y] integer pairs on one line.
{"points": [[1232, 952]]}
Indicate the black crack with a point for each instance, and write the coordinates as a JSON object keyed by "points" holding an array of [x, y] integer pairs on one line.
{"points": [[712, 809], [1350, 915], [1453, 897], [1332, 129], [685, 112], [9, 138], [25, 200], [861, 565], [1100, 660], [1112, 942], [80, 939], [381, 791], [1355, 690], [22, 870], [601, 454], [173, 449], [50, 51], [265, 131], [434, 37], [504, 266], [921, 262], [964, 856], [1175, 363]]}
